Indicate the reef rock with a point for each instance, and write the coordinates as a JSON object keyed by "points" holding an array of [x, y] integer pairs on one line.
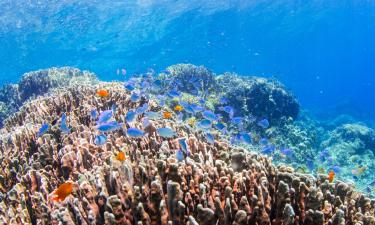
{"points": [[36, 83]]}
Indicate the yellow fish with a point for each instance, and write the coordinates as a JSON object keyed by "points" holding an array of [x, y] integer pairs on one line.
{"points": [[359, 171], [167, 115], [179, 108]]}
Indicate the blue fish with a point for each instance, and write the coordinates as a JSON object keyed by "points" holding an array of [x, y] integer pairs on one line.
{"points": [[135, 97], [43, 129], [228, 109], [268, 149], [235, 139], [114, 108], [63, 126], [210, 138], [129, 86], [166, 132], [105, 116], [204, 124], [219, 126], [183, 145], [153, 115], [336, 169], [145, 122], [180, 155], [130, 116], [142, 109], [196, 108], [310, 165], [263, 141], [157, 83], [173, 94], [208, 114], [287, 152], [245, 137], [108, 127], [100, 140], [236, 120], [223, 100], [134, 132], [94, 114], [264, 123]]}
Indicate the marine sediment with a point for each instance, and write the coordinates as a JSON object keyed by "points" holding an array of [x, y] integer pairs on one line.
{"points": [[216, 183]]}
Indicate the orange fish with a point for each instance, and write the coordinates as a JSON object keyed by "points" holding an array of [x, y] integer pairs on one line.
{"points": [[167, 115], [121, 156], [179, 108], [331, 175], [60, 193], [102, 93]]}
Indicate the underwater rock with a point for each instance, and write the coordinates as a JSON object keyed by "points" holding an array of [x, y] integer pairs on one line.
{"points": [[259, 97], [216, 183], [40, 82]]}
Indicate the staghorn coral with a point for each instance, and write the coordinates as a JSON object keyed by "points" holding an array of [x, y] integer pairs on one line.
{"points": [[217, 183]]}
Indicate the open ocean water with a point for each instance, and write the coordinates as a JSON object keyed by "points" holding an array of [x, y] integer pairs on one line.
{"points": [[316, 111]]}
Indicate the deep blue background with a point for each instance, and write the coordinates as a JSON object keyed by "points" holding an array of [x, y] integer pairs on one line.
{"points": [[323, 50]]}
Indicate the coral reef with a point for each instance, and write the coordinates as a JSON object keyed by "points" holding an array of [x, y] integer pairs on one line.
{"points": [[37, 83], [216, 184], [259, 97]]}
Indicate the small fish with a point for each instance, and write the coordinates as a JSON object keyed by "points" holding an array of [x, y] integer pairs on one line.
{"points": [[135, 97], [264, 123], [121, 156], [63, 126], [228, 109], [43, 129], [208, 114], [102, 93], [359, 171], [153, 115], [223, 100], [191, 121], [140, 110], [180, 117], [263, 141], [236, 120], [130, 116], [135, 132], [173, 94], [210, 138], [268, 149], [310, 165], [245, 137], [166, 132], [114, 108], [108, 127], [178, 108], [105, 116], [219, 126], [123, 72], [94, 114], [63, 191], [145, 122], [100, 140], [196, 108], [129, 86], [167, 115], [180, 155], [287, 152], [183, 145], [336, 169], [331, 176], [205, 123]]}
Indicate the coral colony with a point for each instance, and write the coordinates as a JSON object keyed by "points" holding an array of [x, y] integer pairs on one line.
{"points": [[181, 147]]}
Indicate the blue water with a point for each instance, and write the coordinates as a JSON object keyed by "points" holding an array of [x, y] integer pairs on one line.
{"points": [[323, 50]]}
